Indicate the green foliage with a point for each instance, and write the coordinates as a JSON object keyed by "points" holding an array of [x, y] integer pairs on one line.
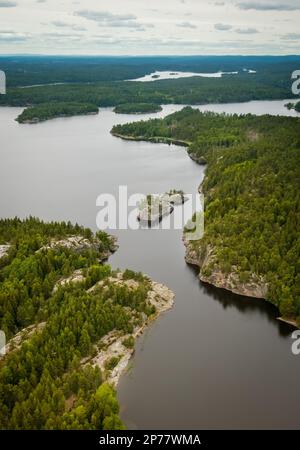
{"points": [[96, 273], [295, 106], [137, 108], [46, 381], [33, 70], [46, 111], [129, 342], [137, 276], [99, 82], [28, 274], [112, 362]]}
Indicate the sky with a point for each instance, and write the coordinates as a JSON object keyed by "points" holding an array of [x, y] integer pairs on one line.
{"points": [[150, 27]]}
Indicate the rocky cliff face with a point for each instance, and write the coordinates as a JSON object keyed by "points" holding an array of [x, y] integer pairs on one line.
{"points": [[204, 258]]}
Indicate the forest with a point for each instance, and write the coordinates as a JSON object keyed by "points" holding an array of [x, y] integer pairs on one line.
{"points": [[137, 108], [105, 81], [46, 111], [195, 90], [46, 381], [27, 70], [252, 194]]}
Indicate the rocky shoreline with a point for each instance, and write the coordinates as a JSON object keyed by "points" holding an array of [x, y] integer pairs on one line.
{"points": [[256, 287], [291, 322], [113, 347], [155, 140]]}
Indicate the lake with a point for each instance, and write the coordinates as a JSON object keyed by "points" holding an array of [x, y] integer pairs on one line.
{"points": [[167, 75], [216, 360]]}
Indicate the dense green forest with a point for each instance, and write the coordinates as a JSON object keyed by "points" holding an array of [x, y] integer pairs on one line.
{"points": [[195, 90], [101, 81], [46, 111], [252, 194], [137, 108], [28, 276], [46, 381]]}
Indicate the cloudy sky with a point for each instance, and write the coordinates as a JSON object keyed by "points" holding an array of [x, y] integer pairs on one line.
{"points": [[135, 27]]}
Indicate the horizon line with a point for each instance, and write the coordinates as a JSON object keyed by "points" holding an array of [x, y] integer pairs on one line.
{"points": [[99, 55]]}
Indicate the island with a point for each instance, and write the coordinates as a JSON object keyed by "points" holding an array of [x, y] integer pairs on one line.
{"points": [[295, 106], [105, 85], [46, 111], [251, 187], [137, 108], [70, 323], [154, 207]]}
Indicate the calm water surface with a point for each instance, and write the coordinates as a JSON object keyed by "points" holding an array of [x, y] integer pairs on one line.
{"points": [[216, 360], [167, 75]]}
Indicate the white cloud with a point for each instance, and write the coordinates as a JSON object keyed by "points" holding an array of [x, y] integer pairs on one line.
{"points": [[104, 16], [223, 27], [291, 37], [61, 24], [108, 19], [270, 5], [11, 36], [247, 30], [7, 4], [164, 27], [187, 25]]}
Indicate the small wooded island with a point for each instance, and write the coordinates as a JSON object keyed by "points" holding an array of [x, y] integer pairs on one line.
{"points": [[155, 207], [295, 106], [70, 323], [252, 195], [46, 111], [137, 108]]}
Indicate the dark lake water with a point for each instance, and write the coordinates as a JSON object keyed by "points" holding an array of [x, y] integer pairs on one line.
{"points": [[216, 360]]}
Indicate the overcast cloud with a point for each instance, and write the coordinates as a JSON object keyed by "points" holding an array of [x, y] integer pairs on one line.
{"points": [[136, 27], [7, 4], [271, 5]]}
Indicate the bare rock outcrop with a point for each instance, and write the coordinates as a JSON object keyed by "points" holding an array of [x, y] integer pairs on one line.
{"points": [[112, 348]]}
